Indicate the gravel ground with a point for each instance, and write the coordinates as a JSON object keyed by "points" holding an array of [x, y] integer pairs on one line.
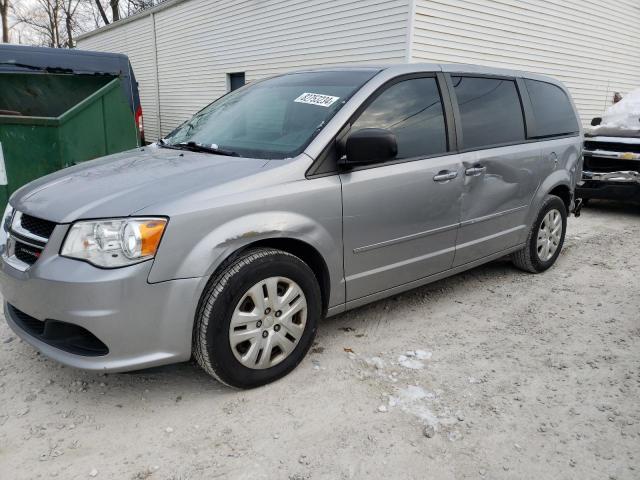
{"points": [[490, 374]]}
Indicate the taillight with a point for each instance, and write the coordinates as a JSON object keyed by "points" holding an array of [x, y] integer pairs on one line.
{"points": [[140, 123]]}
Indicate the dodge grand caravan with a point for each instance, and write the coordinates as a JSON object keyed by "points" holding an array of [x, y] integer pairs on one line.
{"points": [[288, 200]]}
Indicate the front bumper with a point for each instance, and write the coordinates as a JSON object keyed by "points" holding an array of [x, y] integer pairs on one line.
{"points": [[611, 168], [622, 185], [622, 177], [142, 324]]}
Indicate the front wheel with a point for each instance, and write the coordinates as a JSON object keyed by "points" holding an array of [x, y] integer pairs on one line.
{"points": [[545, 238], [257, 318]]}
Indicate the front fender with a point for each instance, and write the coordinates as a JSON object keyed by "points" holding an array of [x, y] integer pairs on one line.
{"points": [[243, 231], [214, 247]]}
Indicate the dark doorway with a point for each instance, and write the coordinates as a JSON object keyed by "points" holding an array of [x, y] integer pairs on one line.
{"points": [[236, 80]]}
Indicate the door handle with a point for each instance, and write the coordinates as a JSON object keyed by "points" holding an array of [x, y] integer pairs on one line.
{"points": [[475, 171], [445, 176]]}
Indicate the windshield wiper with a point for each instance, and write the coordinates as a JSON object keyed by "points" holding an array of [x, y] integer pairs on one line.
{"points": [[163, 143], [198, 147], [201, 147]]}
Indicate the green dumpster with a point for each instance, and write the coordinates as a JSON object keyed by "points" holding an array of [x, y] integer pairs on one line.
{"points": [[52, 121]]}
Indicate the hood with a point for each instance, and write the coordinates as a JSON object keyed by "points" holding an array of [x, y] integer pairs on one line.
{"points": [[122, 184]]}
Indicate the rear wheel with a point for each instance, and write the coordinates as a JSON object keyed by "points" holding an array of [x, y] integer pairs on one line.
{"points": [[257, 318], [545, 238]]}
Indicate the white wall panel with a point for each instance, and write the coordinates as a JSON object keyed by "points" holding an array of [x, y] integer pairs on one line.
{"points": [[134, 39], [200, 41], [592, 46]]}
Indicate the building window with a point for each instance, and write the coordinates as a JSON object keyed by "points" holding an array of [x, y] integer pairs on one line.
{"points": [[235, 80]]}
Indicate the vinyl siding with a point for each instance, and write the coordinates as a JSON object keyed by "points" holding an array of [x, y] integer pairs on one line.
{"points": [[200, 41], [592, 46], [135, 39]]}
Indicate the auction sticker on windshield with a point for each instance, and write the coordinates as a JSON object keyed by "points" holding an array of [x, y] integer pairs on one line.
{"points": [[316, 99]]}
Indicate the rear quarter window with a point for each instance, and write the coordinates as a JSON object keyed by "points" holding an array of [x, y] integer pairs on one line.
{"points": [[552, 110]]}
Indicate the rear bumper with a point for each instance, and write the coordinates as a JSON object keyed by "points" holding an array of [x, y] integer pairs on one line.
{"points": [[141, 324]]}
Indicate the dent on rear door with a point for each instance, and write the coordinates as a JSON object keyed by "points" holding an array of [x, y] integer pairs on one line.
{"points": [[495, 204]]}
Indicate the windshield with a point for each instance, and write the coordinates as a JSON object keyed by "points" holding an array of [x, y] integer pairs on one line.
{"points": [[272, 119]]}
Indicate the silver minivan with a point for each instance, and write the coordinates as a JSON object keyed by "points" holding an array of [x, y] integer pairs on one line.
{"points": [[286, 201]]}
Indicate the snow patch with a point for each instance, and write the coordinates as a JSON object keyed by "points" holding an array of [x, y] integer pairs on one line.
{"points": [[411, 363], [375, 362], [423, 355], [411, 400]]}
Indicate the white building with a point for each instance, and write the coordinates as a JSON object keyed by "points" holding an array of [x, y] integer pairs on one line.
{"points": [[186, 53]]}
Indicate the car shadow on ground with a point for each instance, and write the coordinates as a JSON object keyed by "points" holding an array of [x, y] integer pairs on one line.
{"points": [[612, 207]]}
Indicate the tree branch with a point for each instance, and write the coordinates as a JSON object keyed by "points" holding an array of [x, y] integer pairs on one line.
{"points": [[102, 12]]}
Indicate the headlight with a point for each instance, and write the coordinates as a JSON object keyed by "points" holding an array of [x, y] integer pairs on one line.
{"points": [[114, 243]]}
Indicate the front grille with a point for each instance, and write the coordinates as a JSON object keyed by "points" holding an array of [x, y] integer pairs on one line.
{"points": [[612, 146], [65, 336], [28, 236], [37, 226], [599, 164], [31, 325], [26, 253]]}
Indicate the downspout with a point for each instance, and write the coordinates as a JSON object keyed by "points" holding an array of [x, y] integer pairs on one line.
{"points": [[410, 28], [155, 59]]}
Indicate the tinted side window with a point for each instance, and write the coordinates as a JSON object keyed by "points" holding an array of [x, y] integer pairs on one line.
{"points": [[551, 109], [412, 110], [490, 111]]}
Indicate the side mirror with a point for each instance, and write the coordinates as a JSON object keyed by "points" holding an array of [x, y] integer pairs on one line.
{"points": [[596, 121], [370, 145]]}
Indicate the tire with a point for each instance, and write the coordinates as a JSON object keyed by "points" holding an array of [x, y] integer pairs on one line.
{"points": [[220, 302], [529, 258]]}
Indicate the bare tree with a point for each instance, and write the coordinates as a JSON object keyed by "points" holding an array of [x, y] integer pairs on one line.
{"points": [[53, 21], [103, 14], [56, 23], [43, 17], [114, 5], [4, 13], [135, 6], [70, 9], [115, 9]]}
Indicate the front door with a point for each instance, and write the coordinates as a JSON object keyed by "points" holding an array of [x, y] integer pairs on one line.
{"points": [[400, 218], [501, 172]]}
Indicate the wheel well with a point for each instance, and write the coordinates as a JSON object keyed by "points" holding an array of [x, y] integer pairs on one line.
{"points": [[564, 193], [304, 252]]}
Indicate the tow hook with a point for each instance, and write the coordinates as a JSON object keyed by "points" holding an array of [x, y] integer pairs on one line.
{"points": [[579, 203]]}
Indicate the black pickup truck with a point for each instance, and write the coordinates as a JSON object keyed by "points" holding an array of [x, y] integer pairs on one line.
{"points": [[612, 153]]}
